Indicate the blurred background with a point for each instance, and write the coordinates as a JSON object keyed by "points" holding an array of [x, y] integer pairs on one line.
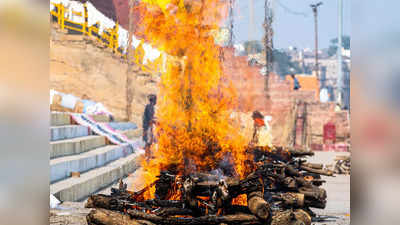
{"points": [[375, 122], [24, 120], [24, 114]]}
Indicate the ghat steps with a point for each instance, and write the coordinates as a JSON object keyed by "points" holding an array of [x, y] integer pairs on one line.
{"points": [[74, 148]]}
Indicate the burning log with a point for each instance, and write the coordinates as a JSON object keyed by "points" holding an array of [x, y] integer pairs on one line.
{"points": [[173, 211], [207, 199]]}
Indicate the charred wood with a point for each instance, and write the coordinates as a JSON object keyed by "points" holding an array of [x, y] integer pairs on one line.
{"points": [[211, 219], [108, 217]]}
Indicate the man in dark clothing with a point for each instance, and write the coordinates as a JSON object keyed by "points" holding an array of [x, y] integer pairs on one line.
{"points": [[148, 124]]}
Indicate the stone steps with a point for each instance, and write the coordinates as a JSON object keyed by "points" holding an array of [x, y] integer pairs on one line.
{"points": [[75, 145], [74, 148], [61, 168], [62, 119], [68, 132], [133, 134], [79, 188]]}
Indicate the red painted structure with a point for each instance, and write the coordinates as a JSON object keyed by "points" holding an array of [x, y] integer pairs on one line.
{"points": [[329, 133]]}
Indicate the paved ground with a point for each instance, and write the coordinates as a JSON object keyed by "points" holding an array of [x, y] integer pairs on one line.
{"points": [[338, 190], [337, 211]]}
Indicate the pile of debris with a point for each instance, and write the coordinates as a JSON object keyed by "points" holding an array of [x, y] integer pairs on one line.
{"points": [[342, 165], [280, 189]]}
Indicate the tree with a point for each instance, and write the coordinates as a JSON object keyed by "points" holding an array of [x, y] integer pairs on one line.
{"points": [[252, 47], [283, 63], [334, 42]]}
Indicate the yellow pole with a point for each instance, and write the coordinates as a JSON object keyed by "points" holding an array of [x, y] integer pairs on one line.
{"points": [[58, 13], [62, 12], [110, 38], [85, 25], [116, 44]]}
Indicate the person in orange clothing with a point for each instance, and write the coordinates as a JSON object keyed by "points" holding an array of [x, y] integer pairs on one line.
{"points": [[261, 135]]}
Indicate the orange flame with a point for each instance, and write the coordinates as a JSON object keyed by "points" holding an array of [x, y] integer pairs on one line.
{"points": [[195, 130]]}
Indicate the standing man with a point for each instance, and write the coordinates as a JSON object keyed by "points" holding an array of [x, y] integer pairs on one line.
{"points": [[261, 131], [296, 82], [148, 124]]}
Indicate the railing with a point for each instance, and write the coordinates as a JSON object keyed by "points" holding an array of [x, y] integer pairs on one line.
{"points": [[109, 37]]}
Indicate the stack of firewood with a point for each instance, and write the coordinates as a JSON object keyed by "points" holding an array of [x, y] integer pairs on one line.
{"points": [[342, 165], [281, 189]]}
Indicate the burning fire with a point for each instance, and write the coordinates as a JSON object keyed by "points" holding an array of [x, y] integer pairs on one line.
{"points": [[195, 130]]}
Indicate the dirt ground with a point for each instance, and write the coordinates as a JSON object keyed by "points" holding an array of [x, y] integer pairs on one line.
{"points": [[83, 68], [337, 211]]}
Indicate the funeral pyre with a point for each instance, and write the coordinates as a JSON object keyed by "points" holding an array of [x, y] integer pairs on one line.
{"points": [[203, 170], [281, 190]]}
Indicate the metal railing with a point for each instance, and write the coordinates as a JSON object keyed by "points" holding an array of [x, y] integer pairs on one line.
{"points": [[109, 37]]}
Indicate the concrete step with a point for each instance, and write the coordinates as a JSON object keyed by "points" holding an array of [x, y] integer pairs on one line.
{"points": [[76, 189], [59, 119], [122, 125], [75, 146], [132, 134], [61, 168], [68, 132], [62, 119], [101, 118]]}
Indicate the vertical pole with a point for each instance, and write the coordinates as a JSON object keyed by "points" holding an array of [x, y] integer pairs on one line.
{"points": [[268, 40], [339, 98], [230, 41], [85, 24], [62, 13], [58, 14], [315, 11], [316, 43], [116, 37]]}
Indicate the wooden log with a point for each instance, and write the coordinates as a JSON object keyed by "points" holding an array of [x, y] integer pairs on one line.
{"points": [[173, 211], [290, 217], [321, 172], [211, 219], [292, 199], [164, 203], [258, 206], [297, 153], [101, 201], [316, 166], [114, 203], [108, 217]]}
